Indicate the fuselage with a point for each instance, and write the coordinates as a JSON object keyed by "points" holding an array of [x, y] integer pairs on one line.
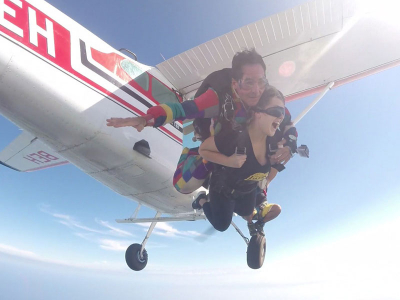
{"points": [[60, 82]]}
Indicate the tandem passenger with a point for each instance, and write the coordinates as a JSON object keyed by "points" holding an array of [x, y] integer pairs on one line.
{"points": [[242, 161], [225, 96]]}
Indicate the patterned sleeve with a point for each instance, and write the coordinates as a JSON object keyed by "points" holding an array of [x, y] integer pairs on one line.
{"points": [[204, 106]]}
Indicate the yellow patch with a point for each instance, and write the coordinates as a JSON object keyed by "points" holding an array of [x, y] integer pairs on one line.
{"points": [[257, 177], [181, 182], [169, 113]]}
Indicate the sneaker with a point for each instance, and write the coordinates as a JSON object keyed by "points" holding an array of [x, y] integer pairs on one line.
{"points": [[258, 211], [196, 202], [259, 226], [252, 228]]}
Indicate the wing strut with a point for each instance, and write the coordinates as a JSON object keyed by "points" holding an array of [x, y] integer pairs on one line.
{"points": [[135, 213], [312, 104]]}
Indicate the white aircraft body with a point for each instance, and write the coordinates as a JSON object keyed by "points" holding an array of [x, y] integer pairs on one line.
{"points": [[59, 83]]}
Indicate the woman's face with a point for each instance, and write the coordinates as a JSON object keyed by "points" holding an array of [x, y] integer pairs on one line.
{"points": [[269, 123]]}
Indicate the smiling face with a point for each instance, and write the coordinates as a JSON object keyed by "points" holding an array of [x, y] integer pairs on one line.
{"points": [[268, 124], [252, 84]]}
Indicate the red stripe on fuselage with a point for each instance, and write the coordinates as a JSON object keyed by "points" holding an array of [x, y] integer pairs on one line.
{"points": [[62, 41]]}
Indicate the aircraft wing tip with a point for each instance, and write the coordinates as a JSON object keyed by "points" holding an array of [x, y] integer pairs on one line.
{"points": [[8, 166]]}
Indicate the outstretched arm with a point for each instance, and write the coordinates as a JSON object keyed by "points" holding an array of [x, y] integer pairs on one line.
{"points": [[204, 106], [137, 122]]}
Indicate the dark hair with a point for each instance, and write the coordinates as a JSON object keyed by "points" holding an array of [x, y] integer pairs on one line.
{"points": [[269, 93], [266, 97], [246, 57]]}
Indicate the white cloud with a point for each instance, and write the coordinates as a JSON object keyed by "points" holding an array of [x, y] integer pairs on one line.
{"points": [[70, 222], [31, 256], [91, 234], [114, 230], [16, 252], [114, 245], [361, 265], [156, 270], [164, 229]]}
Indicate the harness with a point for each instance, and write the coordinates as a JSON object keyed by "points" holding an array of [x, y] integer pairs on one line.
{"points": [[219, 184]]}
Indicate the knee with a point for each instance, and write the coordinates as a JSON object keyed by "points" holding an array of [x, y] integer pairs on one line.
{"points": [[222, 225], [275, 211]]}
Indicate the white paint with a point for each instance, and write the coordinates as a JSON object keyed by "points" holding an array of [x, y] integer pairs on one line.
{"points": [[7, 24], [48, 33]]}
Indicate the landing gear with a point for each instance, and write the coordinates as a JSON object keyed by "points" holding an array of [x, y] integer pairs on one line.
{"points": [[256, 250], [136, 256], [134, 259]]}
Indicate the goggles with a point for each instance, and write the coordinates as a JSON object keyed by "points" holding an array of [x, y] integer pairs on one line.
{"points": [[275, 111], [248, 84]]}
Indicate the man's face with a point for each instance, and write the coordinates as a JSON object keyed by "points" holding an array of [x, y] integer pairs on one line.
{"points": [[252, 84]]}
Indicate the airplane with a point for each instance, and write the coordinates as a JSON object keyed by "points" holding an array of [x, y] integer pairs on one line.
{"points": [[73, 81]]}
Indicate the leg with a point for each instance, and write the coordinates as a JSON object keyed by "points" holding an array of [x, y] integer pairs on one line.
{"points": [[191, 171], [245, 207], [264, 211], [271, 176], [219, 210], [274, 210]]}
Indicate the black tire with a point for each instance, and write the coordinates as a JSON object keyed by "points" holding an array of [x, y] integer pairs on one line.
{"points": [[256, 251], [133, 259]]}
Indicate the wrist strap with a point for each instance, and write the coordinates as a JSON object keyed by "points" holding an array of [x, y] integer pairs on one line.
{"points": [[291, 139]]}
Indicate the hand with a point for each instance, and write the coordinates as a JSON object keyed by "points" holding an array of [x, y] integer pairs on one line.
{"points": [[138, 122], [282, 155], [236, 160]]}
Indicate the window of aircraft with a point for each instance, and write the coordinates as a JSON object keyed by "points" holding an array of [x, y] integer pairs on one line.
{"points": [[161, 93], [142, 78]]}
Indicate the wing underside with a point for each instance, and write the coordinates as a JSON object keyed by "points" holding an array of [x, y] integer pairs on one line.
{"points": [[304, 48], [27, 154]]}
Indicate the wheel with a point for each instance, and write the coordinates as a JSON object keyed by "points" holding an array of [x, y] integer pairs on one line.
{"points": [[133, 259], [256, 251]]}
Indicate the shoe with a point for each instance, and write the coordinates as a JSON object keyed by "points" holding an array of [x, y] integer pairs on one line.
{"points": [[252, 228], [259, 226], [258, 211], [196, 202]]}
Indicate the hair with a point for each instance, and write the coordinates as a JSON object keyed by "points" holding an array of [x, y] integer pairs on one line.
{"points": [[246, 57], [266, 97]]}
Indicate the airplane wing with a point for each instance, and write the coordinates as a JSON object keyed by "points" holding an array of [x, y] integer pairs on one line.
{"points": [[304, 48], [27, 154]]}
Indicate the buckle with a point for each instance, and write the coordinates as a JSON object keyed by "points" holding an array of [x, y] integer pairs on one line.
{"points": [[228, 108]]}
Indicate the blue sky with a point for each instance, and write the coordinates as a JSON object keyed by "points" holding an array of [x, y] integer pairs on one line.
{"points": [[337, 236]]}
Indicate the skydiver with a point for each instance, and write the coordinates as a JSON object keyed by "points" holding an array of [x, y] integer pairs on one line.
{"points": [[224, 95], [241, 159]]}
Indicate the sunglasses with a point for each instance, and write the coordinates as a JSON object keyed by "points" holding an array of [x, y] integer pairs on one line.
{"points": [[275, 111], [248, 84]]}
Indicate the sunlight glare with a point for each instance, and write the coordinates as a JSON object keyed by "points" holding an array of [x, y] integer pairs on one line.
{"points": [[385, 9]]}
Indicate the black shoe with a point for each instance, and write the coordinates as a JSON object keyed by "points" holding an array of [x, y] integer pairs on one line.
{"points": [[259, 226], [252, 228], [196, 201]]}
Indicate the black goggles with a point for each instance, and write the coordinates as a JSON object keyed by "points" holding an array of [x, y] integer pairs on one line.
{"points": [[276, 111]]}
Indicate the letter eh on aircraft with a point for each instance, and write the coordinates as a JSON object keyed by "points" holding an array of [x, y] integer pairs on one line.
{"points": [[73, 81]]}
